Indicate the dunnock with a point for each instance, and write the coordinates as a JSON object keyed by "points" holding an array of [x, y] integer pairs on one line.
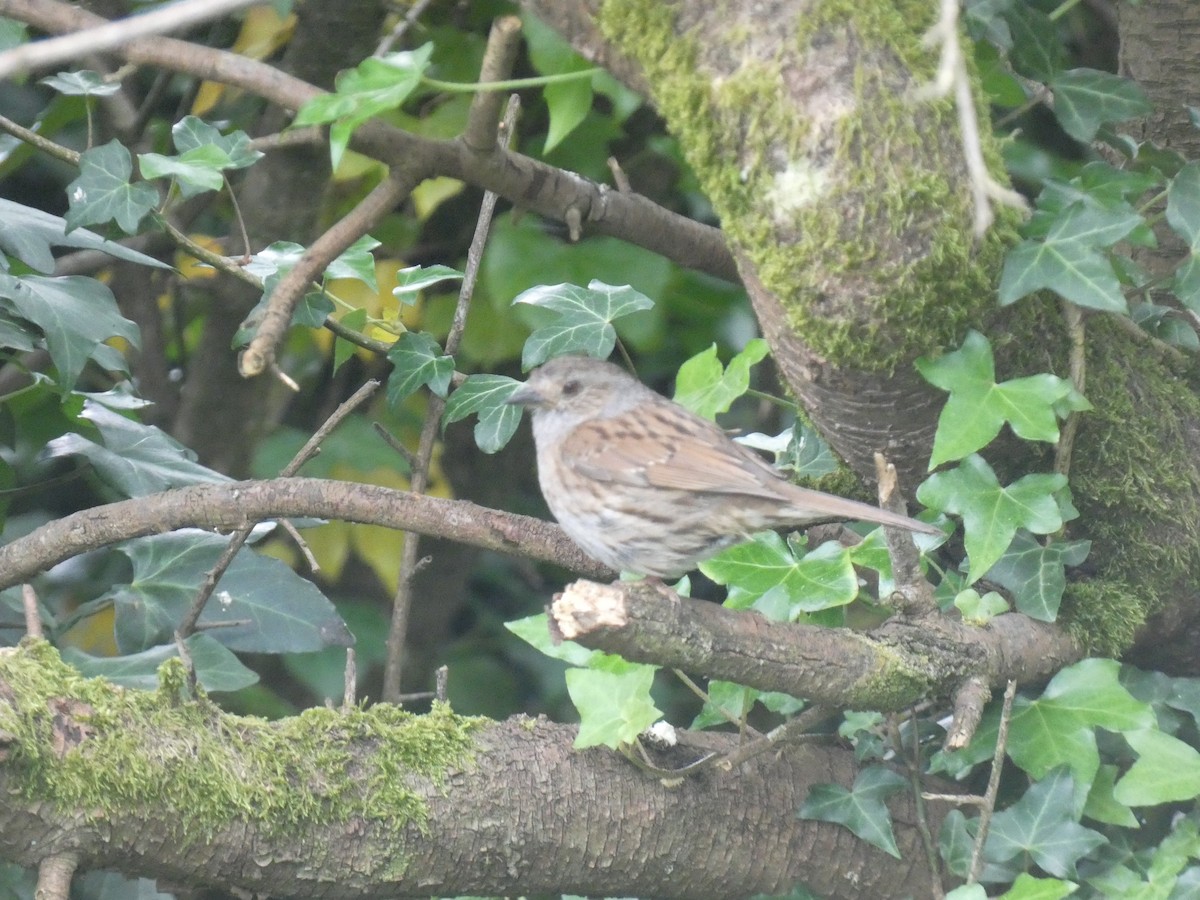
{"points": [[645, 486]]}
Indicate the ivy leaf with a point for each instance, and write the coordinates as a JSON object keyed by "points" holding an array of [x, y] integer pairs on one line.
{"points": [[568, 103], [84, 83], [376, 85], [707, 388], [535, 631], [766, 575], [195, 172], [1183, 215], [342, 348], [584, 321], [1068, 260], [217, 669], [861, 809], [487, 397], [1085, 99], [978, 407], [1167, 770], [169, 568], [1036, 51], [28, 234], [614, 706], [992, 514], [1059, 727], [1036, 574], [134, 459], [75, 314], [102, 192], [356, 262], [191, 133], [1041, 824], [979, 610], [418, 278], [419, 361]]}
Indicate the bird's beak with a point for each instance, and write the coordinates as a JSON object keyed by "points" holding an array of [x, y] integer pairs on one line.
{"points": [[526, 396]]}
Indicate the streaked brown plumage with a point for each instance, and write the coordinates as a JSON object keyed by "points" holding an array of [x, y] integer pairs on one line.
{"points": [[645, 486]]}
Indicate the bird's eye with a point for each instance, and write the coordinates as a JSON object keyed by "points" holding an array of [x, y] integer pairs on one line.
{"points": [[571, 388]]}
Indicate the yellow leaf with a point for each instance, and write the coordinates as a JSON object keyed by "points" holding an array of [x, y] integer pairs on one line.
{"points": [[432, 192]]}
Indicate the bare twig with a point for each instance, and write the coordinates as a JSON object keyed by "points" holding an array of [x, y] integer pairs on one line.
{"points": [[350, 684], [988, 807], [301, 545], [498, 59], [172, 17], [242, 534], [969, 702], [915, 768], [419, 478], [33, 618], [952, 76], [260, 354], [913, 596], [54, 876], [1075, 331], [415, 12]]}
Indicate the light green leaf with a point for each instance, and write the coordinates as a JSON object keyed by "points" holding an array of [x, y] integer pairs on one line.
{"points": [[1102, 805], [102, 192], [535, 631], [342, 348], [487, 397], [568, 103], [584, 321], [1166, 771], [992, 514], [195, 172], [977, 610], [614, 707], [191, 133], [978, 406], [418, 362], [766, 575], [376, 85], [861, 809], [707, 388], [356, 261], [1026, 887], [1085, 99], [84, 83]]}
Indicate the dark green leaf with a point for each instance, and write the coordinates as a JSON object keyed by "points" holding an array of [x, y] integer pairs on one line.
{"points": [[191, 133], [1037, 51], [584, 323], [357, 262], [1036, 574], [259, 606], [1085, 99], [217, 669], [1183, 215], [102, 192], [487, 397], [75, 314], [419, 361], [1042, 825], [135, 459], [861, 809]]}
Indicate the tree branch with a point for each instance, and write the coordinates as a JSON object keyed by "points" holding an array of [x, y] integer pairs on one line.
{"points": [[230, 505]]}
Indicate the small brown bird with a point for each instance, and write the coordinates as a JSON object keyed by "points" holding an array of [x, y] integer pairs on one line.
{"points": [[645, 486]]}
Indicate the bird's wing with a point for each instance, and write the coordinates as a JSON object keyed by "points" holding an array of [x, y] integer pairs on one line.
{"points": [[654, 447]]}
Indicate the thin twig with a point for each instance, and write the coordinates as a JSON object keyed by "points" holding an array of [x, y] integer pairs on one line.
{"points": [[350, 684], [419, 477], [172, 17], [725, 714], [33, 618], [242, 534], [54, 876], [1075, 332], [301, 545], [988, 807], [393, 38], [915, 770]]}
